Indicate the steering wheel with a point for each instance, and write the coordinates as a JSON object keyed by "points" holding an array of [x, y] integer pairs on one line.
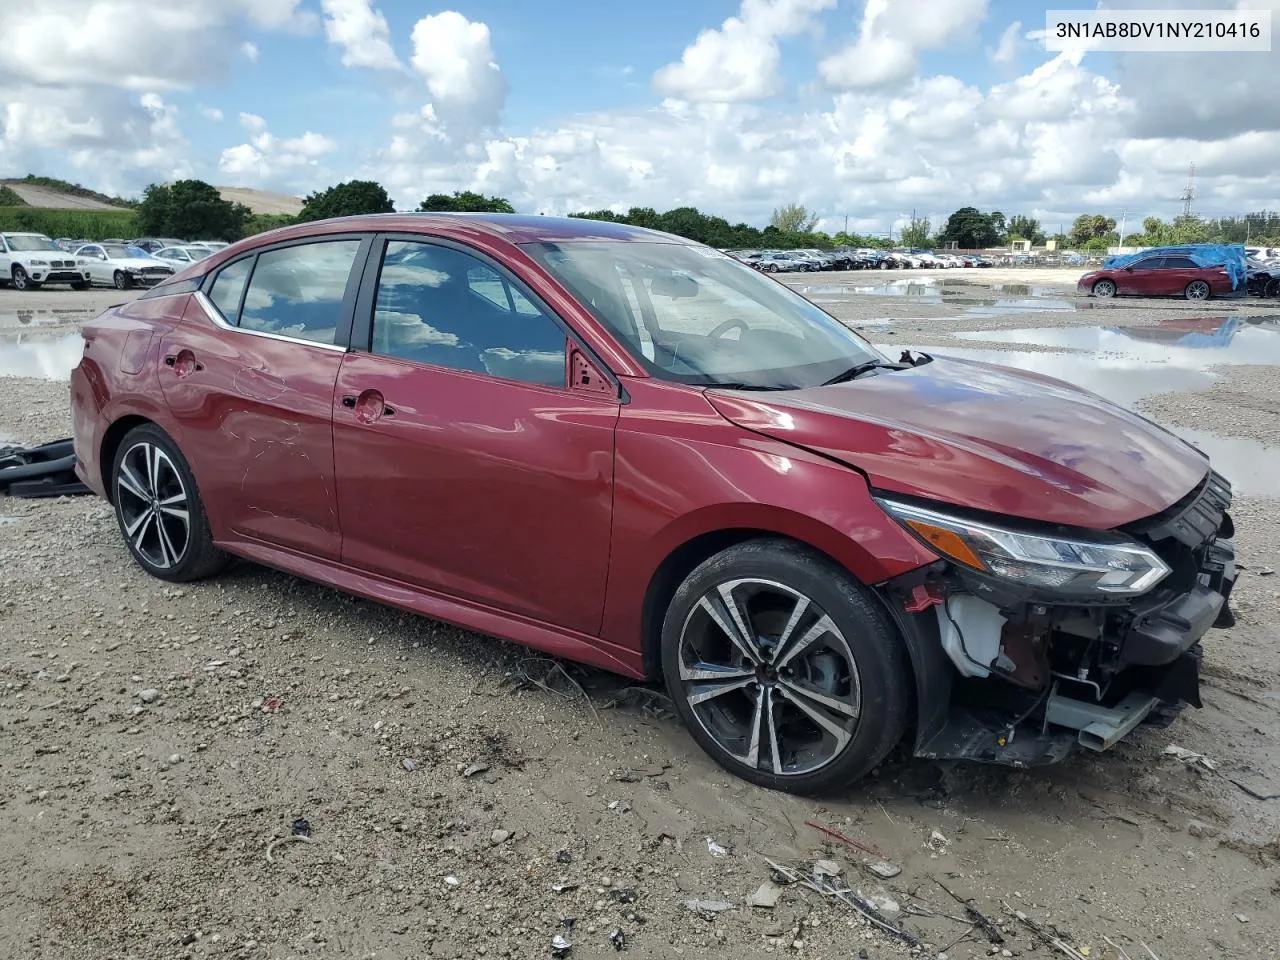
{"points": [[726, 325]]}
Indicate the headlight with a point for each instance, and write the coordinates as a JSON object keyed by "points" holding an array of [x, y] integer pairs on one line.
{"points": [[1105, 566], [38, 263]]}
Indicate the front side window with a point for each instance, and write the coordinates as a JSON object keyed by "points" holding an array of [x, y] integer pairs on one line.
{"points": [[448, 308], [691, 314], [298, 291]]}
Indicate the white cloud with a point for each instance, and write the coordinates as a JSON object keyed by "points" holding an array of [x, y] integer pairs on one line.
{"points": [[1007, 49], [739, 61], [362, 32], [249, 50], [891, 36], [455, 57], [268, 160], [211, 113]]}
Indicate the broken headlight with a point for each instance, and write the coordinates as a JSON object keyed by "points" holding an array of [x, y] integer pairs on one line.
{"points": [[1105, 566]]}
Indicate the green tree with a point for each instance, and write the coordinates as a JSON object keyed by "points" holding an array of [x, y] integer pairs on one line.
{"points": [[262, 222], [793, 218], [192, 210], [348, 199], [1091, 226], [916, 232], [997, 221], [971, 229], [465, 201], [1026, 228]]}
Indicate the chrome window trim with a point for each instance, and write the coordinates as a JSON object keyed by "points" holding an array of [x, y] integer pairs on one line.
{"points": [[218, 320]]}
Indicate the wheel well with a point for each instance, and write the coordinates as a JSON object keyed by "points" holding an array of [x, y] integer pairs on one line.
{"points": [[672, 572], [111, 443]]}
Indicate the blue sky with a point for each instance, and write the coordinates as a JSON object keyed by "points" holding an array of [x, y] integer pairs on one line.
{"points": [[866, 107]]}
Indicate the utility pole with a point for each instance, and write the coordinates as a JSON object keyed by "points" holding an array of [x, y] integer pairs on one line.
{"points": [[1124, 215], [1189, 194], [846, 225]]}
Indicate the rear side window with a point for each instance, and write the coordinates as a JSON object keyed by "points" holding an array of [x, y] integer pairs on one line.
{"points": [[297, 291], [228, 289], [1179, 263]]}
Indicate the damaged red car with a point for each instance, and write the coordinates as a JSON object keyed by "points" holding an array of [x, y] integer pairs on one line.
{"points": [[623, 448]]}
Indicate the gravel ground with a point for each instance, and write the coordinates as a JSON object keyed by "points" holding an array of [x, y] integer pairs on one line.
{"points": [[1243, 402], [465, 798]]}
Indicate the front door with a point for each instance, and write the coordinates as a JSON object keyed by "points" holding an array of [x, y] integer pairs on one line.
{"points": [[249, 376], [1142, 278], [464, 463]]}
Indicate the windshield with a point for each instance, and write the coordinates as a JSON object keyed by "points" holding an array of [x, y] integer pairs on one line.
{"points": [[694, 315], [19, 242]]}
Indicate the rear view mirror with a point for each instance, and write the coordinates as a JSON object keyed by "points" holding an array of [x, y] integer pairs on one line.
{"points": [[675, 285]]}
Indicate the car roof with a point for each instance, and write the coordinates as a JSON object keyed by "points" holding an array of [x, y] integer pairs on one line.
{"points": [[26, 233], [513, 227]]}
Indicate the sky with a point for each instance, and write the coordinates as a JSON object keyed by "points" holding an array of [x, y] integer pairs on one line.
{"points": [[859, 109]]}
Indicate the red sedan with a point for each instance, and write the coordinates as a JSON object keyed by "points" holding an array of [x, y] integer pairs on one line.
{"points": [[1159, 276], [627, 449]]}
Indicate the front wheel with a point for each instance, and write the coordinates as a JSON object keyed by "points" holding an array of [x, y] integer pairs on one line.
{"points": [[121, 280], [159, 509], [1197, 290], [21, 281], [787, 671], [1105, 289]]}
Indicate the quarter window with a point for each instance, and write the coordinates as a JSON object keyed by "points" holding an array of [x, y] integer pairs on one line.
{"points": [[297, 291], [444, 307], [228, 289]]}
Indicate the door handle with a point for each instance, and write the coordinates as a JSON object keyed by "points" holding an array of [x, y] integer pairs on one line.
{"points": [[369, 406]]}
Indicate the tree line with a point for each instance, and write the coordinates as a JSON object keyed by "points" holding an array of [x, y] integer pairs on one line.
{"points": [[194, 210]]}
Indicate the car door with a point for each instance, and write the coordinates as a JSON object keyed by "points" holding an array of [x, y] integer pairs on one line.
{"points": [[6, 262], [249, 376], [1177, 272], [466, 463], [96, 258], [1142, 278]]}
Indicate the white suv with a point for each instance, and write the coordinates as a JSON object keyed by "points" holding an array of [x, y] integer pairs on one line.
{"points": [[30, 260]]}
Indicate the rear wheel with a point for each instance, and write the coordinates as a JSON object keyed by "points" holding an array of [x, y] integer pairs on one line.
{"points": [[786, 671], [1104, 289], [1197, 290], [159, 509]]}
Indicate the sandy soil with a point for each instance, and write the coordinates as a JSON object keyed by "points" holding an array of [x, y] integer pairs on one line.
{"points": [[158, 741], [47, 197]]}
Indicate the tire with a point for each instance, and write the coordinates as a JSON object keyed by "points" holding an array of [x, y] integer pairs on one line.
{"points": [[770, 268], [23, 282], [1197, 290], [857, 665], [141, 486], [121, 280], [1106, 289], [1272, 289], [82, 285]]}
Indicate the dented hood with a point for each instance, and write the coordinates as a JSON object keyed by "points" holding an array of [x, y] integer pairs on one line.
{"points": [[986, 437]]}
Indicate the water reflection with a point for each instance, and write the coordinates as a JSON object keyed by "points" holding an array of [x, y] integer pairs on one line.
{"points": [[50, 359]]}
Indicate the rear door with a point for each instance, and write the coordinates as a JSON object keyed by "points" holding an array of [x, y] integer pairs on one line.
{"points": [[249, 375], [1178, 272], [467, 461]]}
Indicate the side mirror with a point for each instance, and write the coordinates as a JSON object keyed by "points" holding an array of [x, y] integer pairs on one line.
{"points": [[1128, 269]]}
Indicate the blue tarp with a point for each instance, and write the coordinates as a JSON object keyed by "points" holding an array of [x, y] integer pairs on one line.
{"points": [[1228, 255]]}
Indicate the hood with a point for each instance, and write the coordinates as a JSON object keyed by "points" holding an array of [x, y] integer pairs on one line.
{"points": [[985, 437]]}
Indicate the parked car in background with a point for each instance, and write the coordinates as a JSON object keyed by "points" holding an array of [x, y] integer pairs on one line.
{"points": [[780, 262], [154, 244], [123, 267], [727, 490], [30, 260], [183, 254], [1158, 276], [211, 245]]}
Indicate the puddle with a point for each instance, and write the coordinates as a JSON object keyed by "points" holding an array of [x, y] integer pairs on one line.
{"points": [[1026, 299], [1126, 376], [1191, 342], [50, 359], [45, 318]]}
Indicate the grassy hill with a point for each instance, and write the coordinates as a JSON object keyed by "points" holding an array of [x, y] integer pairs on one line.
{"points": [[62, 194]]}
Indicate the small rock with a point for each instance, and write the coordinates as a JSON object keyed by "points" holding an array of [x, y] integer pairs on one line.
{"points": [[827, 868], [1242, 918], [408, 764], [451, 881], [715, 849], [886, 906], [149, 695], [1198, 828], [473, 769], [175, 758], [766, 896], [708, 906], [500, 836], [882, 868], [1006, 953], [797, 944], [863, 955]]}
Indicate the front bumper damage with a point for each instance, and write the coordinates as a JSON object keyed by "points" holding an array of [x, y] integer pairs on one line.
{"points": [[1008, 677]]}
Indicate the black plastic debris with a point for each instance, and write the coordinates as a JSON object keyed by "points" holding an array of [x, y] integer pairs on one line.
{"points": [[301, 828], [619, 940], [44, 471], [564, 857]]}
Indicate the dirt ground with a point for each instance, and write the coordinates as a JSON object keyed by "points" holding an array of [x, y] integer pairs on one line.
{"points": [[465, 798]]}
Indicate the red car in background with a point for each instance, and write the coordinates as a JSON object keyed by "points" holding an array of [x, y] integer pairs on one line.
{"points": [[621, 447], [1159, 276]]}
